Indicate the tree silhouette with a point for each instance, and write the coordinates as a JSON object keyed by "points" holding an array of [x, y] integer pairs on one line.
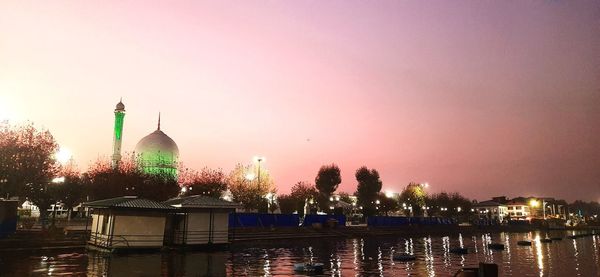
{"points": [[72, 190], [128, 178], [369, 186], [27, 162], [327, 181], [387, 204]]}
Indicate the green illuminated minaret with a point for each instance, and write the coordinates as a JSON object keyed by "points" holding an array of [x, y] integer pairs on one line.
{"points": [[118, 133]]}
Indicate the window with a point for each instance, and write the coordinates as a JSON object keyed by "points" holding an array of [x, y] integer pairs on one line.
{"points": [[510, 208], [519, 214]]}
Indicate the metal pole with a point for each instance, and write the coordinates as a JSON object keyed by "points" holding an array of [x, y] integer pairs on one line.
{"points": [[259, 160], [259, 186], [544, 208]]}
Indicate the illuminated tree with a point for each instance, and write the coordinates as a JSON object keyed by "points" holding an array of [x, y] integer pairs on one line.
{"points": [[327, 181], [207, 182], [243, 182], [369, 186], [414, 196]]}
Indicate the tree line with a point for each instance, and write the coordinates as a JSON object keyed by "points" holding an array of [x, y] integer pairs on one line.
{"points": [[28, 167]]}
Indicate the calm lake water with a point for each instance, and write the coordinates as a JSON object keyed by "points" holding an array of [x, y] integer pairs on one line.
{"points": [[342, 257]]}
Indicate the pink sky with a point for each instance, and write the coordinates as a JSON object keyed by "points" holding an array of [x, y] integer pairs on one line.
{"points": [[485, 98]]}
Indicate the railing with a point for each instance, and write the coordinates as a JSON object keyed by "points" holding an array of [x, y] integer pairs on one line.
{"points": [[130, 240]]}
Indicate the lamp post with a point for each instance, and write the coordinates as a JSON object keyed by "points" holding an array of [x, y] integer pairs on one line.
{"points": [[259, 159]]}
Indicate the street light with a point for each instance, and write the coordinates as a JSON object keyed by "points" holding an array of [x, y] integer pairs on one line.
{"points": [[259, 159], [534, 203]]}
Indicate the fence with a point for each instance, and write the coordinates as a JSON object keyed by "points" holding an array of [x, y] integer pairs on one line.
{"points": [[390, 221], [309, 219], [237, 220]]}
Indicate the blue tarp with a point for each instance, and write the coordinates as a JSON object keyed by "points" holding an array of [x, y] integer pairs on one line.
{"points": [[381, 221], [8, 218], [263, 220], [309, 219], [387, 220]]}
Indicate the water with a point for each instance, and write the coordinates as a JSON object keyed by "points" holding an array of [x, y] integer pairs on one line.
{"points": [[342, 257]]}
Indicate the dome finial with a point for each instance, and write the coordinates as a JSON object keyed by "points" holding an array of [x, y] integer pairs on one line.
{"points": [[158, 121], [120, 106]]}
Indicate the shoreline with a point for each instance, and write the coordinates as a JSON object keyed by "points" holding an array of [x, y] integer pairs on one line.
{"points": [[35, 241]]}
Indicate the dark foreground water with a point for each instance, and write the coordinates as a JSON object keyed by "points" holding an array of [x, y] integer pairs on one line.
{"points": [[342, 257]]}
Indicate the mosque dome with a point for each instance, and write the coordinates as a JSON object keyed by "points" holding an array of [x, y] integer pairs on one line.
{"points": [[157, 153], [120, 106]]}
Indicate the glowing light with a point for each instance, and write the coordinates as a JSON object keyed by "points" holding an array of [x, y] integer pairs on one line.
{"points": [[58, 180], [389, 194], [259, 159], [250, 176], [63, 155], [534, 203]]}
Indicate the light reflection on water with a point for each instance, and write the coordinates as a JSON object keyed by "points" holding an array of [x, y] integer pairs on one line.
{"points": [[342, 257]]}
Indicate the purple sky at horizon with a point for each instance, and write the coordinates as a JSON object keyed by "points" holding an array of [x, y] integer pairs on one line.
{"points": [[484, 98]]}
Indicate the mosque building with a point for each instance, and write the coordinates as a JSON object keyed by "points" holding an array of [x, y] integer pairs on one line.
{"points": [[156, 153]]}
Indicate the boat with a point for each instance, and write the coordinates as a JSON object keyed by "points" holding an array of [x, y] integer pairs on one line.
{"points": [[524, 242], [496, 246], [403, 257], [459, 250], [545, 240], [309, 267], [556, 238]]}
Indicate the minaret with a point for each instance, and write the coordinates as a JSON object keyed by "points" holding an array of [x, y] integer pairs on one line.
{"points": [[118, 133]]}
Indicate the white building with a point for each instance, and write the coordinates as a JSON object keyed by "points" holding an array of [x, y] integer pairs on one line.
{"points": [[491, 210], [518, 209], [130, 222], [199, 220], [127, 222]]}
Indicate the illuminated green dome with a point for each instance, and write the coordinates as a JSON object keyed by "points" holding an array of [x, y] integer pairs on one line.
{"points": [[158, 154]]}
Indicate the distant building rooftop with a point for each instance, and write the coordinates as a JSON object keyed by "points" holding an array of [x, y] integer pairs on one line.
{"points": [[487, 204]]}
